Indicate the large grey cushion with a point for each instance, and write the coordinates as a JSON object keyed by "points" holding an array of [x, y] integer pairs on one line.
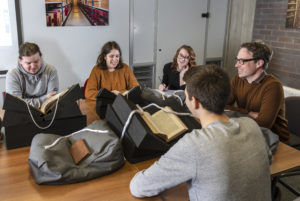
{"points": [[55, 165]]}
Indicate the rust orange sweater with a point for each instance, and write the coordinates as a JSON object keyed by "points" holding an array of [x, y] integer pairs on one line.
{"points": [[266, 98], [121, 79]]}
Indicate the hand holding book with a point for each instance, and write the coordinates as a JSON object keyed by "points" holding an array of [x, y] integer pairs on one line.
{"points": [[50, 102], [49, 95]]}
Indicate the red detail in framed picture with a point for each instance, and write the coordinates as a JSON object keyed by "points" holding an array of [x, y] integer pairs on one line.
{"points": [[293, 14], [77, 12]]}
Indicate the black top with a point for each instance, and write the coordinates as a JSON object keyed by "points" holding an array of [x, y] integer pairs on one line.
{"points": [[171, 78]]}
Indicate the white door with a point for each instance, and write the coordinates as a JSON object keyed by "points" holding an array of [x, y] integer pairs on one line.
{"points": [[179, 22]]}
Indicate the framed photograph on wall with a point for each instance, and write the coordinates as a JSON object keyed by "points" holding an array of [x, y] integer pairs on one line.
{"points": [[293, 14], [77, 12]]}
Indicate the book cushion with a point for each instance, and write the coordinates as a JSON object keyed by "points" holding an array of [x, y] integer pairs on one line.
{"points": [[105, 97], [55, 165], [162, 98]]}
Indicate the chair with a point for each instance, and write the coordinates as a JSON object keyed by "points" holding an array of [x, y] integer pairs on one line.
{"points": [[3, 95], [292, 112], [83, 88]]}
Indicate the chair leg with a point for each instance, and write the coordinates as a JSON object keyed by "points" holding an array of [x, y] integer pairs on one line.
{"points": [[290, 188], [276, 193]]}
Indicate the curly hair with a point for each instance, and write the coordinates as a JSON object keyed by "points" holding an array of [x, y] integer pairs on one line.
{"points": [[191, 53]]}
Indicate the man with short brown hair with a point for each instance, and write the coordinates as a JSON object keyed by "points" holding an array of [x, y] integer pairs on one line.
{"points": [[256, 93], [33, 80], [226, 160]]}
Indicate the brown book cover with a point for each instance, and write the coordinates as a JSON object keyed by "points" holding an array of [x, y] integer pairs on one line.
{"points": [[79, 151]]}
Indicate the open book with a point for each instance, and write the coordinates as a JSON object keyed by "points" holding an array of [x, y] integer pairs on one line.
{"points": [[131, 91], [104, 93], [166, 125], [50, 102], [105, 97], [108, 97]]}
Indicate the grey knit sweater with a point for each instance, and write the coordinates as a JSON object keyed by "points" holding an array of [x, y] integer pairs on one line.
{"points": [[221, 162], [33, 88]]}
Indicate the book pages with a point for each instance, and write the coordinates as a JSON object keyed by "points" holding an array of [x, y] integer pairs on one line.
{"points": [[149, 121], [49, 102], [165, 123]]}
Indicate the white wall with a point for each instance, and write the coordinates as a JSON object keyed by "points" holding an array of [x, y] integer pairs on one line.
{"points": [[74, 50]]}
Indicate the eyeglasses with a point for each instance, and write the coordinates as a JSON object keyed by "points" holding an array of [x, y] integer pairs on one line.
{"points": [[243, 61], [180, 56]]}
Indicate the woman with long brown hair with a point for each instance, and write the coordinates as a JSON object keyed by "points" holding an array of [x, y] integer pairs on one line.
{"points": [[110, 72]]}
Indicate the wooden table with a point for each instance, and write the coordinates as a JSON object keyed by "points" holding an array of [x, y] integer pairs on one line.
{"points": [[17, 183], [285, 159]]}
